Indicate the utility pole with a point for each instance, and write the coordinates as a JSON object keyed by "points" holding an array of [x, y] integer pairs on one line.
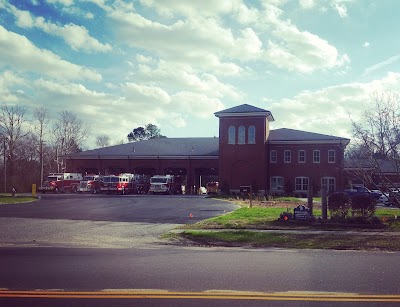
{"points": [[5, 164]]}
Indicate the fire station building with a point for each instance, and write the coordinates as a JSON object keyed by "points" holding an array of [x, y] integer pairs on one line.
{"points": [[247, 152]]}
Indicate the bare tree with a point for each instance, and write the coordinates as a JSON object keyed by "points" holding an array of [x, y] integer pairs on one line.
{"points": [[41, 115], [375, 154], [69, 134], [12, 125], [103, 140]]}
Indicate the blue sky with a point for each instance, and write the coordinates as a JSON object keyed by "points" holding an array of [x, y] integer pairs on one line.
{"points": [[122, 64]]}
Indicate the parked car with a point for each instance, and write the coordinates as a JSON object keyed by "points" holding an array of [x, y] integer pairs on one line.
{"points": [[362, 190], [377, 192], [389, 199]]}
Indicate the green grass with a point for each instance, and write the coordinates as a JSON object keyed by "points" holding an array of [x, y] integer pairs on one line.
{"points": [[241, 218], [299, 241], [267, 217], [4, 199]]}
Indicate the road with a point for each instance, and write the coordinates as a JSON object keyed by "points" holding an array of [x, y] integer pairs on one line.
{"points": [[133, 266]]}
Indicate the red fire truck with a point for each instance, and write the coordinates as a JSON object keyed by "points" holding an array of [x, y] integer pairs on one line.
{"points": [[61, 182], [90, 183], [165, 184], [118, 184], [212, 187], [141, 184]]}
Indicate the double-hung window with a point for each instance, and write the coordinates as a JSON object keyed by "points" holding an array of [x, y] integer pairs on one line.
{"points": [[276, 183], [331, 156], [287, 156], [316, 156], [273, 156], [301, 184], [329, 183], [302, 156]]}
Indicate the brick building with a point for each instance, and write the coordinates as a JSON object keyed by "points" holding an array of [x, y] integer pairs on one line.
{"points": [[246, 153]]}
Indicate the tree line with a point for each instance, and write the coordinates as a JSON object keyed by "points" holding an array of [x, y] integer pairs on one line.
{"points": [[30, 149]]}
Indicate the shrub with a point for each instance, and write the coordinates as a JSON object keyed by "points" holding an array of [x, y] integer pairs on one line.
{"points": [[363, 204], [339, 204]]}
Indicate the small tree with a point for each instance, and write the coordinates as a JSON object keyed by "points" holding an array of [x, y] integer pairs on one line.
{"points": [[363, 204], [339, 204]]}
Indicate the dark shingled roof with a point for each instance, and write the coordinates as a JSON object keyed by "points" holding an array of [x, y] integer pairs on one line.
{"points": [[158, 147], [203, 147], [244, 108], [287, 135]]}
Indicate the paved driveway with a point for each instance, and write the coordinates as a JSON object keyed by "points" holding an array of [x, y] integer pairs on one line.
{"points": [[102, 220]]}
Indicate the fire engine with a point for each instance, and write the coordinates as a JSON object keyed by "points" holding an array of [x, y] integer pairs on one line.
{"points": [[212, 187], [121, 184], [90, 183], [141, 184], [61, 182], [167, 184]]}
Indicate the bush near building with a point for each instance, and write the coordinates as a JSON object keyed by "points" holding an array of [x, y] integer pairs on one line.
{"points": [[361, 207]]}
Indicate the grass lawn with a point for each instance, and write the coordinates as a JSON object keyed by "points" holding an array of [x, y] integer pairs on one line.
{"points": [[298, 241], [8, 199], [236, 229]]}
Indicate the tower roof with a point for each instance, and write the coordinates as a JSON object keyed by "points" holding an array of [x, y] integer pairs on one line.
{"points": [[245, 110]]}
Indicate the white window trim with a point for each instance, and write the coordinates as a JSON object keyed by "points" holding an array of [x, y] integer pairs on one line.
{"points": [[302, 183], [334, 156], [298, 158], [251, 140], [334, 183], [241, 140], [290, 156], [230, 141], [277, 177], [276, 156], [319, 156]]}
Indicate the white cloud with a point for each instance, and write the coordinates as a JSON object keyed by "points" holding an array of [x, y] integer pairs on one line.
{"points": [[382, 64], [19, 52], [198, 105], [192, 8], [307, 4], [340, 6], [9, 87], [330, 108], [77, 37], [63, 2], [301, 50], [146, 95], [178, 76]]}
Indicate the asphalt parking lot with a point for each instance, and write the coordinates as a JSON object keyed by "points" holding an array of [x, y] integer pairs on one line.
{"points": [[116, 221]]}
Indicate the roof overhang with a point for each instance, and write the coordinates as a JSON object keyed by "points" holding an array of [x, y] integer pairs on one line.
{"points": [[342, 142], [119, 157], [268, 115]]}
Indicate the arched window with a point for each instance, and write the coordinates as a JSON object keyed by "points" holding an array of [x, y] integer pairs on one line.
{"points": [[252, 135], [241, 135], [231, 135]]}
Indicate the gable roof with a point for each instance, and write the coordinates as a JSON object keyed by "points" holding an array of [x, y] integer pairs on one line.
{"points": [[245, 110]]}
